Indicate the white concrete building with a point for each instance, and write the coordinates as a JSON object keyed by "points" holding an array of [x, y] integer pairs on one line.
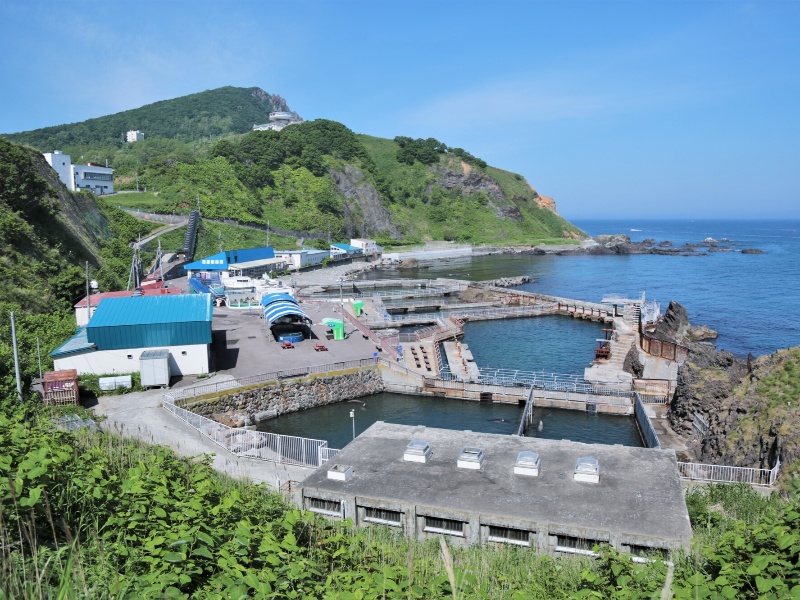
{"points": [[62, 165], [297, 259], [368, 247], [91, 176], [134, 136]]}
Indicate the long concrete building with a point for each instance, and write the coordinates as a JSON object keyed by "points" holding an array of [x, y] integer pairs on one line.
{"points": [[122, 329], [554, 496]]}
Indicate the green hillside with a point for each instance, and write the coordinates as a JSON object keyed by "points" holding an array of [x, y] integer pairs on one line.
{"points": [[207, 115], [47, 234], [314, 177]]}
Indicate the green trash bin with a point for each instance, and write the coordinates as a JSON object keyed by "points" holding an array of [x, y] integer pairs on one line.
{"points": [[358, 306]]}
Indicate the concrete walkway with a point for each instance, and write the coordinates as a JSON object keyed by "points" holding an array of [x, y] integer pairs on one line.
{"points": [[139, 415]]}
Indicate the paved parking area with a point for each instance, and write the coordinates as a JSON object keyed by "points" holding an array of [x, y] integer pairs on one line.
{"points": [[244, 347]]}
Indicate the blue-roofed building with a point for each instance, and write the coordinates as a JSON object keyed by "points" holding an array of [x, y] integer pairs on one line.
{"points": [[345, 250], [285, 319], [222, 261], [121, 329]]}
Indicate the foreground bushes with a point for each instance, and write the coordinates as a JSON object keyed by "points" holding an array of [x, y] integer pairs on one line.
{"points": [[92, 515]]}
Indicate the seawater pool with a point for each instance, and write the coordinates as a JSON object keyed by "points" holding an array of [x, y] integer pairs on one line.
{"points": [[333, 423]]}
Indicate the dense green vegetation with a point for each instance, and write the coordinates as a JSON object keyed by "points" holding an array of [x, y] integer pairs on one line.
{"points": [[93, 515], [316, 177], [170, 124], [42, 270]]}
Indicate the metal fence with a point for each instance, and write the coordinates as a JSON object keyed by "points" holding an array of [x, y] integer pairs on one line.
{"points": [[726, 474], [541, 381], [325, 454], [526, 414], [260, 445], [645, 426]]}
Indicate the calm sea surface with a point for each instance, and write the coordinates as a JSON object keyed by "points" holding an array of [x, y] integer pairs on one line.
{"points": [[752, 300]]}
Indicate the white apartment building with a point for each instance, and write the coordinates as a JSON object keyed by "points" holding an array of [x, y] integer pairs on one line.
{"points": [[134, 136], [91, 176]]}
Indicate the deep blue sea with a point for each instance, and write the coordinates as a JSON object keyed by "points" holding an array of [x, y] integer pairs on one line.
{"points": [[751, 300]]}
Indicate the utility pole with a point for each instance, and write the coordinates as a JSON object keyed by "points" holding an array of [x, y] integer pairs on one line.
{"points": [[39, 354], [88, 296], [267, 233], [160, 262], [16, 356]]}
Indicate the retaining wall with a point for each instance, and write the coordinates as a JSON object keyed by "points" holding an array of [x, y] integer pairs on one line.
{"points": [[277, 398]]}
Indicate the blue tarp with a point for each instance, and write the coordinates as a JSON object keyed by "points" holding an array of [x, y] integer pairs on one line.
{"points": [[276, 310], [270, 298]]}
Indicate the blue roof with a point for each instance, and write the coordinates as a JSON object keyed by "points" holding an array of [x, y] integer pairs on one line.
{"points": [[221, 260], [276, 310], [347, 247], [148, 321], [270, 298], [77, 343]]}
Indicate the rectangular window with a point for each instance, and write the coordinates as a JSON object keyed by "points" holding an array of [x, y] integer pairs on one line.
{"points": [[446, 526], [325, 507], [98, 176], [509, 535], [381, 515], [648, 552], [575, 545]]}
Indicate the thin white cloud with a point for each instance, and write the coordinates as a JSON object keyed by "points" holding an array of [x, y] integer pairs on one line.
{"points": [[531, 99]]}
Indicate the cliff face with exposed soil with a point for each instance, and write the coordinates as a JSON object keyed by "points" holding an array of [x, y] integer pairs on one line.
{"points": [[752, 411]]}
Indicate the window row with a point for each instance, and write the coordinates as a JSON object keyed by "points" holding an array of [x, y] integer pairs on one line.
{"points": [[491, 533]]}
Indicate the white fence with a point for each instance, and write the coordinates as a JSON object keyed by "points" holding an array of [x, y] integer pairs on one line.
{"points": [[541, 380], [260, 445], [726, 474], [645, 426]]}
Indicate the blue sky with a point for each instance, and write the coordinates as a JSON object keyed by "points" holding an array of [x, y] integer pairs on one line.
{"points": [[615, 109]]}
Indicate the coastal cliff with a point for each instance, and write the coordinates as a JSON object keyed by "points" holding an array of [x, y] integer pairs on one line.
{"points": [[735, 411]]}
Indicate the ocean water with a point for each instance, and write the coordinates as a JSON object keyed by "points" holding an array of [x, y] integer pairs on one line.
{"points": [[751, 300]]}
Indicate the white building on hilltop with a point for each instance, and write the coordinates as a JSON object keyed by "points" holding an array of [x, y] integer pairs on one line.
{"points": [[279, 120], [134, 136], [91, 176]]}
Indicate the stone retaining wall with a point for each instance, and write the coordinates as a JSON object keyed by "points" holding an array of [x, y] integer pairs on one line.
{"points": [[251, 404]]}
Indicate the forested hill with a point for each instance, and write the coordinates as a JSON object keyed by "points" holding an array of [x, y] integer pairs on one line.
{"points": [[317, 177], [207, 114]]}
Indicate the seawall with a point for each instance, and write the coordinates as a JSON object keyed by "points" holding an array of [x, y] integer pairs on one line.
{"points": [[281, 397]]}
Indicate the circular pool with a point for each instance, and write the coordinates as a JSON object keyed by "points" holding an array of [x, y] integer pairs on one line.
{"points": [[291, 336]]}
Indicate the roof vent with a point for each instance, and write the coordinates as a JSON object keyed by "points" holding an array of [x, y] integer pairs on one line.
{"points": [[527, 463], [587, 469], [418, 451], [340, 472], [470, 458]]}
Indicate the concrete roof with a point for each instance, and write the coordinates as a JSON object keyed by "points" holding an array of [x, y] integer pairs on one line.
{"points": [[639, 493]]}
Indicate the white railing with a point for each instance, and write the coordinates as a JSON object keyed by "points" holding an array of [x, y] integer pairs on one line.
{"points": [[726, 474], [325, 454], [645, 426], [541, 381], [260, 445], [526, 414]]}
